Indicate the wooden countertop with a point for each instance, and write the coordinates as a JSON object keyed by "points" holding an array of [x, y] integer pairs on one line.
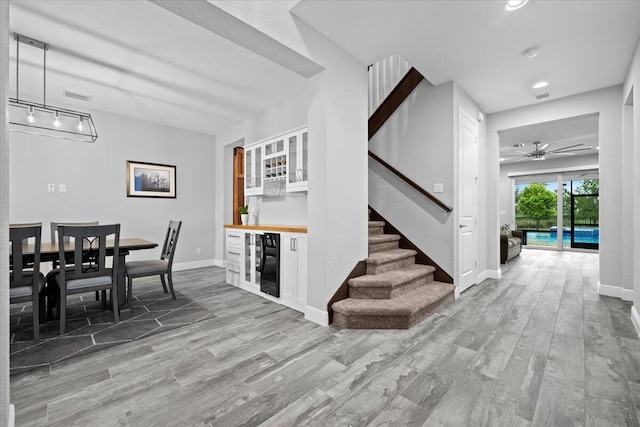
{"points": [[267, 227]]}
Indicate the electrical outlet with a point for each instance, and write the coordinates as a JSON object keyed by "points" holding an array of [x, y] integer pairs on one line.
{"points": [[198, 251], [438, 188], [62, 188], [51, 188]]}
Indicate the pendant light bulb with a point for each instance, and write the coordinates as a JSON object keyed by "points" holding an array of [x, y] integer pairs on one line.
{"points": [[80, 127], [56, 121], [30, 117]]}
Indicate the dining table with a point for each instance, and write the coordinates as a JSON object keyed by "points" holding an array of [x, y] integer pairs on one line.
{"points": [[51, 252]]}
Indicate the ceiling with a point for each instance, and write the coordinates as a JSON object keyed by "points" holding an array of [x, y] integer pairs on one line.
{"points": [[557, 133], [584, 45], [138, 59]]}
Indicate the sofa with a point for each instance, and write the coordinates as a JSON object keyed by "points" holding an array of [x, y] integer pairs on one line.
{"points": [[510, 244]]}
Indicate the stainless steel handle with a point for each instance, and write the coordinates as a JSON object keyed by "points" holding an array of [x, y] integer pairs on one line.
{"points": [[462, 226], [234, 253], [291, 244], [295, 244], [234, 271]]}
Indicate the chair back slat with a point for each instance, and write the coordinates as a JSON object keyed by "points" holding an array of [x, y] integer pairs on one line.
{"points": [[170, 241], [54, 228], [21, 263], [89, 250]]}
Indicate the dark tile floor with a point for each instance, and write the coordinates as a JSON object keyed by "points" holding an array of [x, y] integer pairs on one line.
{"points": [[90, 329]]}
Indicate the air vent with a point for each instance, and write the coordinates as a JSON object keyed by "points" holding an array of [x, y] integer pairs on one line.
{"points": [[543, 95], [78, 96]]}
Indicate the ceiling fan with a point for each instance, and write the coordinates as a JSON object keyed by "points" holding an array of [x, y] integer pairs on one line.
{"points": [[541, 153]]}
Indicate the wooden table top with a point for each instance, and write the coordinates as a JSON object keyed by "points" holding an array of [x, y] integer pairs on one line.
{"points": [[267, 227], [129, 244]]}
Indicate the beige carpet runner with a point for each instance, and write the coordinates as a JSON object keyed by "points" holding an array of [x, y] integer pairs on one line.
{"points": [[396, 293]]}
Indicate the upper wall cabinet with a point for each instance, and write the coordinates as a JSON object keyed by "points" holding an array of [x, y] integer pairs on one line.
{"points": [[297, 146], [253, 176], [282, 158]]}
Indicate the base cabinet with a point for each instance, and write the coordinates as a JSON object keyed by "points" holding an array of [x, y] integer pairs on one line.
{"points": [[294, 268], [243, 257]]}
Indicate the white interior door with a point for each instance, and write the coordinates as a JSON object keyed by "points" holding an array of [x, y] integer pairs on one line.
{"points": [[468, 203]]}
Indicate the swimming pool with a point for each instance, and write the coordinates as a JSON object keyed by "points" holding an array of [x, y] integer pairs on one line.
{"points": [[550, 238]]}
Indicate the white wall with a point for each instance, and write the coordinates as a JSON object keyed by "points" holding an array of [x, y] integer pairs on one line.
{"points": [[96, 183], [631, 124], [5, 418], [335, 109], [607, 103], [417, 140], [565, 163]]}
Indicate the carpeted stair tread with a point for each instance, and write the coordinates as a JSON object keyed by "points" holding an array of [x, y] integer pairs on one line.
{"points": [[389, 256], [392, 278], [398, 313], [382, 238], [376, 223]]}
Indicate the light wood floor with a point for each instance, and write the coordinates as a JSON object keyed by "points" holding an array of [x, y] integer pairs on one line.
{"points": [[538, 347]]}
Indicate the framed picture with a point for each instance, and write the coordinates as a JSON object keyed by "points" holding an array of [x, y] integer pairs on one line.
{"points": [[151, 180]]}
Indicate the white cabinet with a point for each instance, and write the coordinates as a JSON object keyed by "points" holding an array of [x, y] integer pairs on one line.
{"points": [[298, 155], [293, 268], [253, 179], [275, 159], [243, 256]]}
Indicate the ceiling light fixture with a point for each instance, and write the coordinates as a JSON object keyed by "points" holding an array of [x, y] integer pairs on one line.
{"points": [[502, 159], [531, 53], [540, 85], [515, 4], [38, 121]]}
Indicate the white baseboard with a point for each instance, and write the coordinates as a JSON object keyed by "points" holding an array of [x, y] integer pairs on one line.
{"points": [[12, 416], [615, 291], [196, 264], [316, 316], [489, 274], [456, 293]]}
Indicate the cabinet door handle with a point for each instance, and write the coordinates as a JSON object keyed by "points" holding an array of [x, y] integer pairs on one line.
{"points": [[291, 244], [234, 253], [295, 244]]}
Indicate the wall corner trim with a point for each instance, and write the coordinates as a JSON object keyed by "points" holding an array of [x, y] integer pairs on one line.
{"points": [[635, 318], [316, 316], [12, 415]]}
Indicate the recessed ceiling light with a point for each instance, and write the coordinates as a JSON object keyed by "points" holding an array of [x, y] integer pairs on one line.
{"points": [[515, 4], [502, 159], [598, 147], [540, 85], [531, 53], [518, 145]]}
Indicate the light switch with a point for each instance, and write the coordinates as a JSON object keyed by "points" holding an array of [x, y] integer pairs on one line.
{"points": [[438, 188], [51, 188], [62, 188]]}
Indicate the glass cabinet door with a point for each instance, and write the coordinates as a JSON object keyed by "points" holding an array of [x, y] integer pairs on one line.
{"points": [[305, 156], [258, 168], [248, 255], [247, 170], [292, 172]]}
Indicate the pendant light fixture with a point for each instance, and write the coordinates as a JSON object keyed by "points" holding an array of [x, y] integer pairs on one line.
{"points": [[42, 119]]}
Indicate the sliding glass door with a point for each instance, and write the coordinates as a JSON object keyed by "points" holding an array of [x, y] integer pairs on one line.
{"points": [[560, 211]]}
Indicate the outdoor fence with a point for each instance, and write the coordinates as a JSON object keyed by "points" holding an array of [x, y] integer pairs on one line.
{"points": [[544, 224]]}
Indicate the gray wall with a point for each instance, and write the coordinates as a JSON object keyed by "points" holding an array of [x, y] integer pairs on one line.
{"points": [[96, 183]]}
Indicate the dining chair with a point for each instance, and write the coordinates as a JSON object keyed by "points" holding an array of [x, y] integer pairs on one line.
{"points": [[89, 271], [26, 283], [54, 239], [155, 267]]}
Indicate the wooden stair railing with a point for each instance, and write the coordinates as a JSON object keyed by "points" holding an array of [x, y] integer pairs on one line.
{"points": [[397, 96], [415, 186], [391, 103]]}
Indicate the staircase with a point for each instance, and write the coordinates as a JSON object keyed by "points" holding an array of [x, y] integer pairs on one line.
{"points": [[396, 293]]}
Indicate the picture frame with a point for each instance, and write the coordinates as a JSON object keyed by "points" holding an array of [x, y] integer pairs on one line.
{"points": [[151, 180]]}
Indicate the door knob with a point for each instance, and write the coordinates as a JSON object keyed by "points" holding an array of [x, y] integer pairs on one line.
{"points": [[462, 226]]}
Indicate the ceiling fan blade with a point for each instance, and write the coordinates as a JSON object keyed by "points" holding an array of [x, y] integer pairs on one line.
{"points": [[561, 154], [582, 149], [543, 147], [523, 158], [564, 148], [515, 155]]}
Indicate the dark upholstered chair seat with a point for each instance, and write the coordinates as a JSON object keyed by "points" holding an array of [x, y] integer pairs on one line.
{"points": [[147, 268], [88, 282], [25, 291]]}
